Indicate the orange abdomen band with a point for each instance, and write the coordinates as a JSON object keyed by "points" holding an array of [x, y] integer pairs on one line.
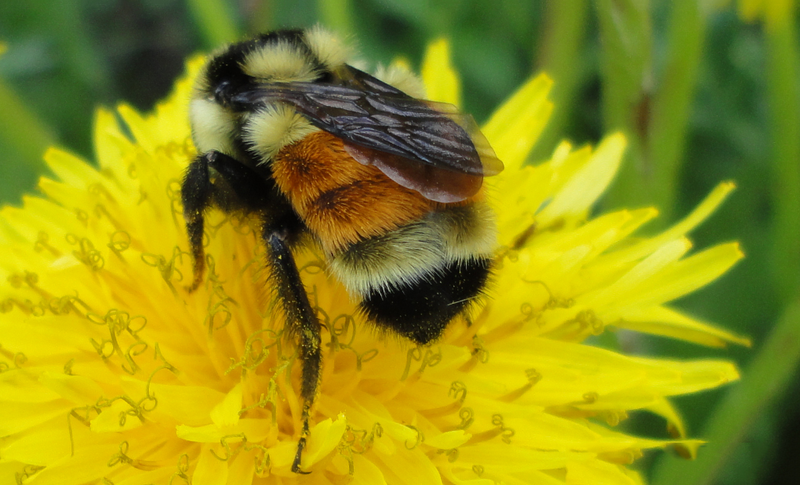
{"points": [[341, 200]]}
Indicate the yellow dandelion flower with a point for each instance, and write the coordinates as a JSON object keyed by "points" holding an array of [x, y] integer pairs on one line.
{"points": [[112, 373]]}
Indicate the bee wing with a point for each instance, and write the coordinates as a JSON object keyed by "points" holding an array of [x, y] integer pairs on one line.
{"points": [[425, 146]]}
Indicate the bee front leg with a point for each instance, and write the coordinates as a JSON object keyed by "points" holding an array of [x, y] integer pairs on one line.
{"points": [[196, 195], [214, 178], [301, 322]]}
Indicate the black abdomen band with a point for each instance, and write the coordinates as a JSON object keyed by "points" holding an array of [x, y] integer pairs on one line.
{"points": [[421, 310]]}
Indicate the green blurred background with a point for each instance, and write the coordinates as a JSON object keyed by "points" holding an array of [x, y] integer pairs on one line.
{"points": [[705, 91]]}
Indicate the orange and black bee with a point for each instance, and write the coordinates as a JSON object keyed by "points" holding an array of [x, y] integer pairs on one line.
{"points": [[388, 186]]}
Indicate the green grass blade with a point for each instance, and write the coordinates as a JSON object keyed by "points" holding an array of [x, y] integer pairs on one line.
{"points": [[215, 22]]}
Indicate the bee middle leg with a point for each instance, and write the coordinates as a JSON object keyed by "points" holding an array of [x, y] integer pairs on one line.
{"points": [[301, 322]]}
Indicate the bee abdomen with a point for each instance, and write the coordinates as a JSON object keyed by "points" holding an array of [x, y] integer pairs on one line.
{"points": [[417, 278], [421, 309]]}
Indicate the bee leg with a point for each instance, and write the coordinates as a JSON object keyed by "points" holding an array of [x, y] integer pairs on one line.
{"points": [[196, 195], [219, 179], [301, 322]]}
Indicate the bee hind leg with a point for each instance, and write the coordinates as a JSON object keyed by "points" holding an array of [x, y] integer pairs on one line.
{"points": [[301, 323]]}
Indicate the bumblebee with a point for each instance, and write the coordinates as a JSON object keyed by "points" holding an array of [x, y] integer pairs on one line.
{"points": [[388, 186]]}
